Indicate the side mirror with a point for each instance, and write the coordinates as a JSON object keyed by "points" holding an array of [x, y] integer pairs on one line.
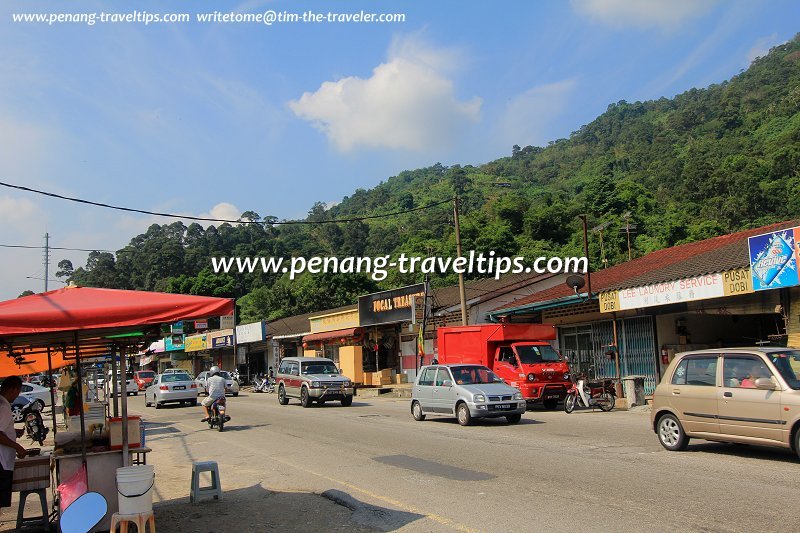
{"points": [[447, 383], [766, 384]]}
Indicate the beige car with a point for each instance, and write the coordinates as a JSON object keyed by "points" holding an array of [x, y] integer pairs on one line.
{"points": [[740, 395]]}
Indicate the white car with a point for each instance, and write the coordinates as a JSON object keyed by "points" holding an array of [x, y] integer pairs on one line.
{"points": [[35, 393], [130, 385], [174, 387], [231, 386]]}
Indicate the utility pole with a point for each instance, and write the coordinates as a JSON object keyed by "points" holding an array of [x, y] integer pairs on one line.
{"points": [[461, 289], [46, 259], [586, 253]]}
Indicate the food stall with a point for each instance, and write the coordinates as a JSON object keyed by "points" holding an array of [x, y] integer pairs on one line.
{"points": [[59, 328]]}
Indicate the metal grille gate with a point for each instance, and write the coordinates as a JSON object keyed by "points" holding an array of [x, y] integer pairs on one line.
{"points": [[586, 345]]}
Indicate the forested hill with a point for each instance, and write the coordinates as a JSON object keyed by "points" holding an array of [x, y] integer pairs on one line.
{"points": [[707, 162]]}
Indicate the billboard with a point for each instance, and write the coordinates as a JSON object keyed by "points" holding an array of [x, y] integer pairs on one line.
{"points": [[773, 259], [386, 307]]}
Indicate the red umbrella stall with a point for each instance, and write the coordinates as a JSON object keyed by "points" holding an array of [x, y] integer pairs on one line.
{"points": [[58, 328]]}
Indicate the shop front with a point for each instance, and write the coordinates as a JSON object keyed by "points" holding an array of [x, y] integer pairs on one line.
{"points": [[221, 346], [195, 357], [256, 353], [337, 337]]}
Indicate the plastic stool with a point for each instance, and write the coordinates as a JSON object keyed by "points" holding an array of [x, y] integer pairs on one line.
{"points": [[39, 523], [214, 490], [140, 519]]}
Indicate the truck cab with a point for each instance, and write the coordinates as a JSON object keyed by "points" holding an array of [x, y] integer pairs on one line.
{"points": [[536, 369]]}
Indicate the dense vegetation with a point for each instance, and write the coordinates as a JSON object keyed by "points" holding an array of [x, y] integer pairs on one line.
{"points": [[707, 162]]}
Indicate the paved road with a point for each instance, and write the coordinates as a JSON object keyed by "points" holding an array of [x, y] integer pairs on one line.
{"points": [[586, 471]]}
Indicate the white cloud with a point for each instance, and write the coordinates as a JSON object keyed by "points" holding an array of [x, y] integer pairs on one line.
{"points": [[528, 114], [407, 104], [762, 46], [224, 210], [667, 14]]}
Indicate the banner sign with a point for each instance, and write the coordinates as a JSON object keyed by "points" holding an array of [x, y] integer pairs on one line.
{"points": [[177, 328], [220, 339], [254, 332], [774, 259], [201, 324], [226, 322], [173, 343], [396, 305]]}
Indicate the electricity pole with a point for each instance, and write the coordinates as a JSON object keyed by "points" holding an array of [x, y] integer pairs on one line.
{"points": [[46, 259], [461, 290]]}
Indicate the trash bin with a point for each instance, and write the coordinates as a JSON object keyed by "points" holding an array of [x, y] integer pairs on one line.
{"points": [[634, 390]]}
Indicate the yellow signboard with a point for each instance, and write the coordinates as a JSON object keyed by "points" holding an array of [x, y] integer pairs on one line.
{"points": [[334, 321], [609, 302], [737, 282], [194, 343]]}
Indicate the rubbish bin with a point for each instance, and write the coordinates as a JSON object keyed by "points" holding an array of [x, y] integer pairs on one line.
{"points": [[634, 390]]}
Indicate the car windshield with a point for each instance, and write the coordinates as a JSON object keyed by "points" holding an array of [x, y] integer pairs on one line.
{"points": [[788, 364], [169, 378], [531, 354], [224, 374], [147, 374], [320, 368], [474, 375]]}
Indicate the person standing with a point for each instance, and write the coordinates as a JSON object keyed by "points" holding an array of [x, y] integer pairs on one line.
{"points": [[9, 448]]}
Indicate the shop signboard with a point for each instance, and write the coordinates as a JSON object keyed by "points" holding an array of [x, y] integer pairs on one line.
{"points": [[774, 259], [254, 332], [220, 339], [194, 343], [177, 328], [200, 324], [717, 285], [173, 343], [334, 321], [396, 305], [226, 322], [157, 346]]}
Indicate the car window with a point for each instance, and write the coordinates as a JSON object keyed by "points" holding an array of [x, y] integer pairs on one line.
{"points": [[472, 375], [427, 376], [741, 372], [531, 354], [788, 364], [442, 375], [325, 367], [26, 388], [284, 367], [506, 354], [175, 377], [696, 370], [294, 368]]}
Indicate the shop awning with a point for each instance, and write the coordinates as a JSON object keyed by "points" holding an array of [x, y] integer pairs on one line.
{"points": [[348, 332]]}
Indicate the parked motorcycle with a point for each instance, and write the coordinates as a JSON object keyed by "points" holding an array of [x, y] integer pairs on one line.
{"points": [[218, 416], [34, 424], [264, 383], [600, 394]]}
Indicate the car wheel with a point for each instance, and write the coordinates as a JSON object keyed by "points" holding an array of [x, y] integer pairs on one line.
{"points": [[347, 401], [671, 434], [305, 399], [146, 402], [513, 419], [282, 399], [550, 405], [193, 403], [16, 413], [416, 411], [797, 443], [158, 404], [235, 394], [463, 414]]}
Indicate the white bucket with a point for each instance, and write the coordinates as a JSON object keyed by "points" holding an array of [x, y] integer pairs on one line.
{"points": [[135, 489]]}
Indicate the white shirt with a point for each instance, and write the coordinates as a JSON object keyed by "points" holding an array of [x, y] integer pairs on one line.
{"points": [[8, 456], [216, 387]]}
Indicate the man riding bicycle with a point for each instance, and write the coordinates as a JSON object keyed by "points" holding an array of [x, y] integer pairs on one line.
{"points": [[215, 385]]}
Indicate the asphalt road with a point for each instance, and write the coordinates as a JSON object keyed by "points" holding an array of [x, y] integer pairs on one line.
{"points": [[588, 471]]}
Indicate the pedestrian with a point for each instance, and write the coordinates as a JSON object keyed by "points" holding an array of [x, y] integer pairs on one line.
{"points": [[9, 448], [73, 401]]}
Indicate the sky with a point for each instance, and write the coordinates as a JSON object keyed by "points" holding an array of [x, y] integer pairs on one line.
{"points": [[213, 119]]}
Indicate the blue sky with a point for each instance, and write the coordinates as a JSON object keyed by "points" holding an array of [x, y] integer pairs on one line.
{"points": [[220, 118]]}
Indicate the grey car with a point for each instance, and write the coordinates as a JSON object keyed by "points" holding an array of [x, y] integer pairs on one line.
{"points": [[466, 392], [312, 379], [166, 388]]}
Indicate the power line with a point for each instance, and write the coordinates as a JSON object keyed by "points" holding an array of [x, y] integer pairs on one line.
{"points": [[205, 219], [55, 248]]}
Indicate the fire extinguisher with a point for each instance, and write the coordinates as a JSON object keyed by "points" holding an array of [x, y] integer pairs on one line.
{"points": [[664, 356]]}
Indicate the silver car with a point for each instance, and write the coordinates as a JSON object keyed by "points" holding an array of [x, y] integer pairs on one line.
{"points": [[231, 385], [466, 391], [166, 388]]}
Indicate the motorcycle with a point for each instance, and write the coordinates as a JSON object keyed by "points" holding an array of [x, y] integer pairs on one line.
{"points": [[34, 424], [218, 416], [600, 394], [264, 384]]}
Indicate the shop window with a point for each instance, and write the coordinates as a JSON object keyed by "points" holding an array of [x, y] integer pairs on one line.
{"points": [[332, 353]]}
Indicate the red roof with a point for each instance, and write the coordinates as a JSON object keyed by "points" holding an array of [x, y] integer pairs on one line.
{"points": [[717, 254]]}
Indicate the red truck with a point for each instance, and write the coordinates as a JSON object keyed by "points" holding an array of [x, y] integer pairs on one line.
{"points": [[518, 353]]}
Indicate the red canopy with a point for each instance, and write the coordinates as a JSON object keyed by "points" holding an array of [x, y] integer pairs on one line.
{"points": [[84, 308], [31, 325]]}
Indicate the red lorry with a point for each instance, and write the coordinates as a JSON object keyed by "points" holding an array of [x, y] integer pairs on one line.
{"points": [[518, 353]]}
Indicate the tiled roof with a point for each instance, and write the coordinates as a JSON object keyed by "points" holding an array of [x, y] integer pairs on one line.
{"points": [[717, 254]]}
